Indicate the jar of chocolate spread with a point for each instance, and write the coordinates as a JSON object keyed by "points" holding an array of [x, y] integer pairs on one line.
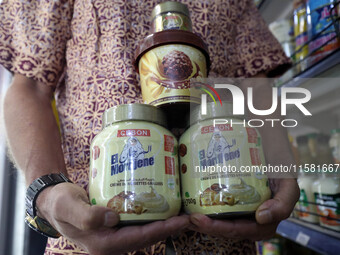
{"points": [[220, 159], [170, 15], [134, 165], [166, 61]]}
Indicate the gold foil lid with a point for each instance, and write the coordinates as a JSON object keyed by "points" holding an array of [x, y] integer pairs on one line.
{"points": [[142, 112], [169, 6], [213, 111]]}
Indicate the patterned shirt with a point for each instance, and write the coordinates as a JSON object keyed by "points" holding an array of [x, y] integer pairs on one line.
{"points": [[84, 49]]}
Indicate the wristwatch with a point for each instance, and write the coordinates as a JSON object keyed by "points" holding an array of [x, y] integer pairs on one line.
{"points": [[35, 222]]}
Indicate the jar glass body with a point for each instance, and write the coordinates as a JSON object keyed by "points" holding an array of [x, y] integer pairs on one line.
{"points": [[307, 210], [218, 169], [134, 170], [327, 197]]}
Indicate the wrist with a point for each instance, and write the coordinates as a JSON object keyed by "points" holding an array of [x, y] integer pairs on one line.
{"points": [[37, 186], [38, 202], [43, 202]]}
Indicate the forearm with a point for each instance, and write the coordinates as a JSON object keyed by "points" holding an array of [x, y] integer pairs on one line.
{"points": [[32, 132], [275, 140]]}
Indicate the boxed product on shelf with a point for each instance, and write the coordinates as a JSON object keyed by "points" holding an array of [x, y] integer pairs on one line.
{"points": [[301, 34], [316, 35], [322, 34]]}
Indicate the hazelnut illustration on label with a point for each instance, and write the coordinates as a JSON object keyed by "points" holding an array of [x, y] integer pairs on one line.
{"points": [[165, 72], [176, 65]]}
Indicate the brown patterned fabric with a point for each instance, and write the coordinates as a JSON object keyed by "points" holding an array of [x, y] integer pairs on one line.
{"points": [[84, 49]]}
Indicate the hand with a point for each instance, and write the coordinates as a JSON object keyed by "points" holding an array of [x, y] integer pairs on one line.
{"points": [[66, 207], [268, 215]]}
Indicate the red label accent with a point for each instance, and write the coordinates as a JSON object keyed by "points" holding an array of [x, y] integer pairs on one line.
{"points": [[218, 127], [133, 132], [169, 143], [95, 152], [255, 156], [252, 135], [169, 165]]}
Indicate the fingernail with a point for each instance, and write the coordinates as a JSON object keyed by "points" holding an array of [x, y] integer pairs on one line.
{"points": [[265, 216], [110, 219], [195, 219]]}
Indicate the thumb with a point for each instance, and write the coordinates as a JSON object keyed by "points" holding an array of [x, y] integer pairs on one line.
{"points": [[72, 206], [281, 205]]}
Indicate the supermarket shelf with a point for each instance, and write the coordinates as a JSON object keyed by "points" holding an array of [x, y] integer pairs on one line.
{"points": [[328, 67], [310, 235], [323, 82]]}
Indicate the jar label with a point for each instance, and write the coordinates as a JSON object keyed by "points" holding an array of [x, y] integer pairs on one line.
{"points": [[212, 179], [328, 206], [165, 74], [134, 171], [303, 204], [306, 208]]}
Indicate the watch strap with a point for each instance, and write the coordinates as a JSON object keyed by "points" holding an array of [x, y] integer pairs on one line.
{"points": [[39, 185], [41, 226]]}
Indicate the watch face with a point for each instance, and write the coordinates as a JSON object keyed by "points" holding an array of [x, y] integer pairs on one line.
{"points": [[41, 226]]}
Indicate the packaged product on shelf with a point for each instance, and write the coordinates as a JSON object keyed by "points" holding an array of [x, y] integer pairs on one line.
{"points": [[296, 155], [271, 247], [320, 15], [134, 165], [327, 197], [334, 144], [313, 146], [324, 151], [305, 156], [282, 32], [211, 157], [301, 34], [294, 149], [306, 209]]}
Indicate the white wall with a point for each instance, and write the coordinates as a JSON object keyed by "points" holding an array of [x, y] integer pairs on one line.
{"points": [[5, 175]]}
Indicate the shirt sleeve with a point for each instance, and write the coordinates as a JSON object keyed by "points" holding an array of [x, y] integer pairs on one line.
{"points": [[33, 36], [257, 49]]}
